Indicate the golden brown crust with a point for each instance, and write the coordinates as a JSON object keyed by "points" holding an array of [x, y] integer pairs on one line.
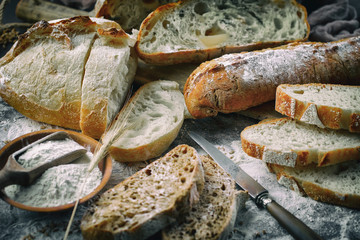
{"points": [[250, 84]]}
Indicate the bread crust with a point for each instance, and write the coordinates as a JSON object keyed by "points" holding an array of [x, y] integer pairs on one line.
{"points": [[236, 82], [296, 158], [315, 191], [200, 55], [330, 117]]}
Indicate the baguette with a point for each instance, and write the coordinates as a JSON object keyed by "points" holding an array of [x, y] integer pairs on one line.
{"points": [[287, 142], [236, 82], [325, 105], [337, 184], [150, 122], [52, 74], [219, 202], [198, 30], [149, 200]]}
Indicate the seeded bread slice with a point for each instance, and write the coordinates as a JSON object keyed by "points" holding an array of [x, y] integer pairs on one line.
{"points": [[288, 142], [149, 200], [199, 30], [325, 105], [337, 184], [213, 217], [148, 123]]}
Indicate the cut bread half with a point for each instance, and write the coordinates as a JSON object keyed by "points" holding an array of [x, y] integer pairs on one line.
{"points": [[149, 200], [129, 14], [148, 123], [219, 202], [337, 184], [325, 105], [288, 142], [55, 70], [198, 30]]}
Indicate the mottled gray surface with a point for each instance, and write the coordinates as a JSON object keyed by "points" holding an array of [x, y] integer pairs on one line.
{"points": [[331, 222]]}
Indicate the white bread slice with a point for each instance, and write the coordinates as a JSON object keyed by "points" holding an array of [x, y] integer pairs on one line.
{"points": [[337, 184], [148, 123], [198, 30], [213, 217], [149, 200], [109, 73], [129, 14], [43, 76], [325, 105], [288, 142]]}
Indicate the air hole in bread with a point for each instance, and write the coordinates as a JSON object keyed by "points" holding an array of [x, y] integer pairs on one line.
{"points": [[299, 91], [201, 8], [183, 180], [148, 172], [165, 24], [214, 194], [278, 23], [184, 151], [214, 30], [223, 187]]}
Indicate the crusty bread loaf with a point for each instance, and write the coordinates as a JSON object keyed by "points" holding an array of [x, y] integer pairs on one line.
{"points": [[56, 68], [337, 184], [325, 105], [219, 202], [198, 30], [236, 82], [148, 123], [129, 14], [149, 200], [288, 142]]}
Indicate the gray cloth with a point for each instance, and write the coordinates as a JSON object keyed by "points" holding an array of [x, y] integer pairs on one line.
{"points": [[334, 21]]}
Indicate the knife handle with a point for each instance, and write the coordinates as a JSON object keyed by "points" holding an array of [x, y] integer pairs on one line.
{"points": [[293, 225]]}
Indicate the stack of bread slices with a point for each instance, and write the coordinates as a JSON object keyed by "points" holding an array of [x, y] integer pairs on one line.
{"points": [[316, 149]]}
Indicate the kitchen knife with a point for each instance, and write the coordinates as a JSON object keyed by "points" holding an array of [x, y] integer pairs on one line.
{"points": [[257, 192]]}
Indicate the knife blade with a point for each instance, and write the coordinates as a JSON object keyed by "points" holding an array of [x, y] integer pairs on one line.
{"points": [[257, 192]]}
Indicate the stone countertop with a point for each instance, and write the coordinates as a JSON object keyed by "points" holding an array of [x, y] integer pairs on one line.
{"points": [[329, 221]]}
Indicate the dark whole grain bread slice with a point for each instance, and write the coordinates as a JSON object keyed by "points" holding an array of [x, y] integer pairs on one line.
{"points": [[213, 217], [149, 200]]}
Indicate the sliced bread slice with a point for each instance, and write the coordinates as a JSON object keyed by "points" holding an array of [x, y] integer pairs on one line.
{"points": [[288, 142], [325, 105], [337, 184], [148, 123], [198, 30], [149, 200], [129, 14], [213, 217]]}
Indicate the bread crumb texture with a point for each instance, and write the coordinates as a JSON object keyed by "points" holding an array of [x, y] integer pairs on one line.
{"points": [[207, 24], [149, 200]]}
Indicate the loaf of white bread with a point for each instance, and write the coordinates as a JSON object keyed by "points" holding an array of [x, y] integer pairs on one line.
{"points": [[324, 105], [74, 73], [199, 30], [239, 81]]}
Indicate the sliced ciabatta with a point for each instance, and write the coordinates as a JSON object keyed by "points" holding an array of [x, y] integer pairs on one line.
{"points": [[54, 72], [325, 105], [129, 14], [198, 30], [148, 123], [149, 200], [213, 217], [337, 184], [288, 142]]}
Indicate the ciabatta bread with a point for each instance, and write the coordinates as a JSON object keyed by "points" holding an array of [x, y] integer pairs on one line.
{"points": [[57, 73], [213, 217], [236, 82], [129, 14], [198, 30], [288, 142], [337, 184], [148, 123], [325, 105], [149, 200]]}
